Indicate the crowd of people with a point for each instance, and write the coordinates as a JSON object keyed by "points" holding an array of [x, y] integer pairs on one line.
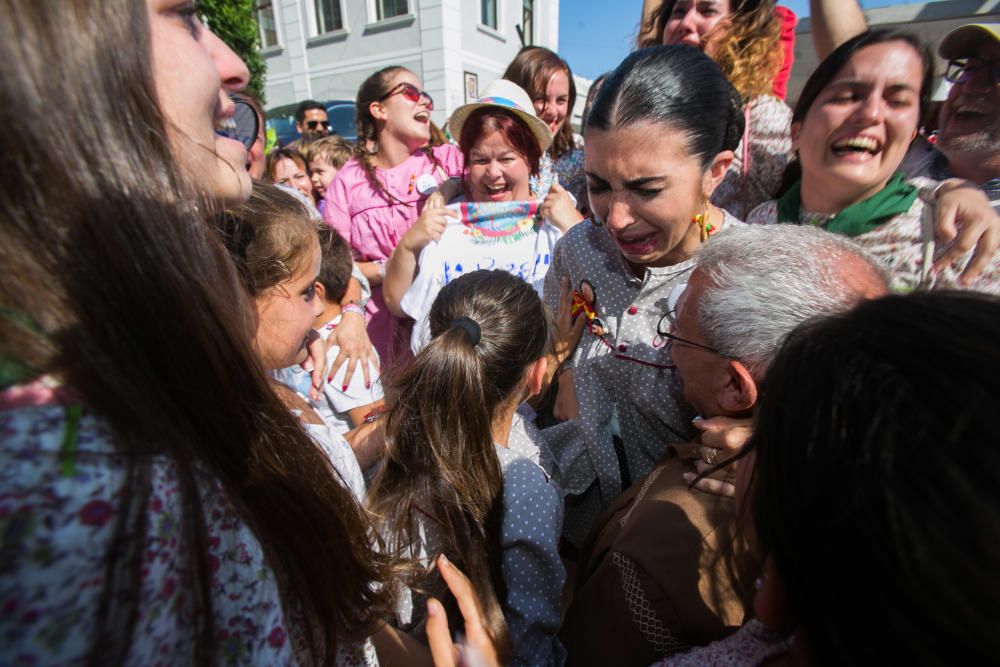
{"points": [[705, 383]]}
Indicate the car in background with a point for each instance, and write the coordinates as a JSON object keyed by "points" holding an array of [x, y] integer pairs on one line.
{"points": [[340, 112]]}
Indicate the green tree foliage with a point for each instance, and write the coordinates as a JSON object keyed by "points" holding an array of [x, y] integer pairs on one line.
{"points": [[235, 22]]}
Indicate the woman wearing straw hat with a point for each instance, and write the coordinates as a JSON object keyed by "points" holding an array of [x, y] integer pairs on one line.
{"points": [[497, 222]]}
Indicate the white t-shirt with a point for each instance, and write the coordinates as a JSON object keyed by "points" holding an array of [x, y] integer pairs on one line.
{"points": [[505, 235], [336, 401]]}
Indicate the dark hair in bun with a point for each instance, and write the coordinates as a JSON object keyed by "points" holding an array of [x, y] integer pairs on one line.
{"points": [[678, 86]]}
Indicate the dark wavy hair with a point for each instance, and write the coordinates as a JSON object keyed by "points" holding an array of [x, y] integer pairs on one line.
{"points": [[441, 463], [654, 86], [876, 481], [134, 303], [833, 63]]}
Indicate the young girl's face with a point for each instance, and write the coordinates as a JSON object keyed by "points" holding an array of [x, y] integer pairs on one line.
{"points": [[553, 106], [407, 118], [497, 172], [322, 174], [289, 172], [285, 315]]}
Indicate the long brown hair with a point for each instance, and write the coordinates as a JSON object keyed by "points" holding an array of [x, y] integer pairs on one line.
{"points": [[532, 68], [134, 303], [441, 461], [749, 54], [374, 89]]}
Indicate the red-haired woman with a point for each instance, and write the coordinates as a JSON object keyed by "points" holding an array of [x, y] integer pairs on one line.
{"points": [[499, 222]]}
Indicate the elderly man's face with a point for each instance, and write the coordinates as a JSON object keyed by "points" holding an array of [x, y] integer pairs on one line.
{"points": [[702, 372], [970, 118]]}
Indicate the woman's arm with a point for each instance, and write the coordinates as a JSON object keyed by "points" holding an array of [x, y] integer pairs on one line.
{"points": [[401, 269], [833, 22]]}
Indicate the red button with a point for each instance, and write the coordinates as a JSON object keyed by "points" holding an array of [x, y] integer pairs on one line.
{"points": [[632, 310], [622, 347]]}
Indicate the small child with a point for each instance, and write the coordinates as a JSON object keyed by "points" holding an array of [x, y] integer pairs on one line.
{"points": [[344, 406], [325, 157], [276, 250]]}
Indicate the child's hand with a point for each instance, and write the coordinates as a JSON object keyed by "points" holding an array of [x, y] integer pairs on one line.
{"points": [[478, 649], [558, 208], [316, 363], [429, 226], [355, 346]]}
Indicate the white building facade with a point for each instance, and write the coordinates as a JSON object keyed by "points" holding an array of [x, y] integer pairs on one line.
{"points": [[324, 49]]}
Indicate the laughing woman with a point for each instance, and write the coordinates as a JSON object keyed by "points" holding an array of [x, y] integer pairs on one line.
{"points": [[852, 126], [654, 155]]}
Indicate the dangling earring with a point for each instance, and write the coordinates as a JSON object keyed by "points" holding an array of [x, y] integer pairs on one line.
{"points": [[706, 228]]}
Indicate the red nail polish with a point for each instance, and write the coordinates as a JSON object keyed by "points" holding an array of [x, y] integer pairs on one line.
{"points": [[368, 385], [344, 388]]}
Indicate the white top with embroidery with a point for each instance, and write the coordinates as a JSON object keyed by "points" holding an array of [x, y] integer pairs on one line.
{"points": [[525, 251], [905, 246]]}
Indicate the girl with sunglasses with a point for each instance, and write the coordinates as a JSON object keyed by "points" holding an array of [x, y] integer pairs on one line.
{"points": [[380, 192]]}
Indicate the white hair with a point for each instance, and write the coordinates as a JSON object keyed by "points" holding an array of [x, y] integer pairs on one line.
{"points": [[765, 280]]}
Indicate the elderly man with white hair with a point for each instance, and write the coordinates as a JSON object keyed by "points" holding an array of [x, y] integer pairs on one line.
{"points": [[665, 567]]}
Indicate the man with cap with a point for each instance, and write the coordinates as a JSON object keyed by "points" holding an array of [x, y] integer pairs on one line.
{"points": [[969, 140]]}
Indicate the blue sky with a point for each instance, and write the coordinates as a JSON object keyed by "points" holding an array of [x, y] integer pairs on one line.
{"points": [[594, 35]]}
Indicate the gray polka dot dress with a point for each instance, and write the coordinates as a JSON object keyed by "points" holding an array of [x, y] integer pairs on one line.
{"points": [[631, 401], [532, 570]]}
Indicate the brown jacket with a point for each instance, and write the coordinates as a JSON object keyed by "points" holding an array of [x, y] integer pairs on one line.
{"points": [[661, 570]]}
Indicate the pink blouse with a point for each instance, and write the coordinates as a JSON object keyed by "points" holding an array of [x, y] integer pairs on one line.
{"points": [[373, 224]]}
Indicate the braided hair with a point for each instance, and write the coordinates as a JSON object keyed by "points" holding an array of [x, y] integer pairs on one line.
{"points": [[374, 89]]}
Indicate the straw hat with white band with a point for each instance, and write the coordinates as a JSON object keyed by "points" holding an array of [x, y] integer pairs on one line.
{"points": [[505, 95]]}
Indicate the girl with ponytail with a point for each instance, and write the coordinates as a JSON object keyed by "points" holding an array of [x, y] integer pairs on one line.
{"points": [[451, 486], [381, 191]]}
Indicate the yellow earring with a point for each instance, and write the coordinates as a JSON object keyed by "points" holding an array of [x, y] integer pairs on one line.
{"points": [[705, 227]]}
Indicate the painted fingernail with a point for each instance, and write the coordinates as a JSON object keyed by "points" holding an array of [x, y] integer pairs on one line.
{"points": [[344, 388], [368, 385]]}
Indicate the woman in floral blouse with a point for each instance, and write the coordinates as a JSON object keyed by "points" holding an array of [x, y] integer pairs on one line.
{"points": [[158, 504]]}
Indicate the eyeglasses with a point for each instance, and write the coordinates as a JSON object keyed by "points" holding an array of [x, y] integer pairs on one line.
{"points": [[410, 92], [665, 327], [313, 124], [247, 124], [960, 71]]}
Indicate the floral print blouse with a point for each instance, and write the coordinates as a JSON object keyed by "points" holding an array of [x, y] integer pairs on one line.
{"points": [[61, 485]]}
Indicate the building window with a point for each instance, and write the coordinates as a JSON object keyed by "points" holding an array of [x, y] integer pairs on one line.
{"points": [[488, 13], [267, 24], [528, 23], [386, 9], [328, 17]]}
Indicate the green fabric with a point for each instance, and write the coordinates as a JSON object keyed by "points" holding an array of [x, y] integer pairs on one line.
{"points": [[71, 430], [895, 198]]}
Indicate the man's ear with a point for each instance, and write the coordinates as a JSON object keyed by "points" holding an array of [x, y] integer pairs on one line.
{"points": [[298, 127], [536, 375], [739, 394], [716, 172]]}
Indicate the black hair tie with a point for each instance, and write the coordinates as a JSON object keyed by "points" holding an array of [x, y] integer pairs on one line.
{"points": [[470, 327]]}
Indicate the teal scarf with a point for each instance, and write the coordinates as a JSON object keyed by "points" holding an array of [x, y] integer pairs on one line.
{"points": [[895, 198]]}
